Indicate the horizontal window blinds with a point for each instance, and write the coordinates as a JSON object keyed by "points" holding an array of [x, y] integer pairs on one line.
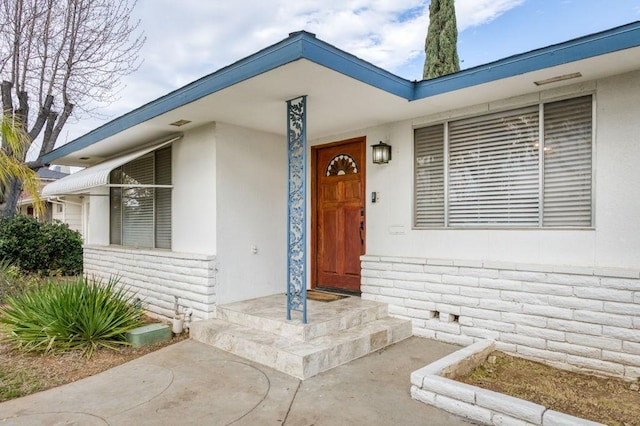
{"points": [[137, 203], [139, 171], [429, 180], [567, 162], [492, 173], [140, 216], [137, 217], [115, 216], [493, 170], [163, 199]]}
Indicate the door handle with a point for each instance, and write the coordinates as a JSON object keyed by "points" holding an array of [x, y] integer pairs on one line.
{"points": [[361, 230]]}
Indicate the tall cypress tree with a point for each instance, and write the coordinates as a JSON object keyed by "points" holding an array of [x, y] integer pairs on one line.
{"points": [[442, 39]]}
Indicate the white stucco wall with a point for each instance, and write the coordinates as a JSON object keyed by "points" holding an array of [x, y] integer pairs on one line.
{"points": [[98, 213], [567, 297], [86, 212], [193, 196], [194, 192], [188, 269], [615, 239], [229, 195], [251, 211]]}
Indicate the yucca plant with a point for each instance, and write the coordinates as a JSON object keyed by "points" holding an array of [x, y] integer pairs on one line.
{"points": [[7, 281], [83, 314]]}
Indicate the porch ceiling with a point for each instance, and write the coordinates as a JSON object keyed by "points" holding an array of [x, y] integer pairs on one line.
{"points": [[339, 103]]}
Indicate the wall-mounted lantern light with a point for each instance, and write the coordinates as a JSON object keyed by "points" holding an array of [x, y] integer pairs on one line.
{"points": [[381, 153]]}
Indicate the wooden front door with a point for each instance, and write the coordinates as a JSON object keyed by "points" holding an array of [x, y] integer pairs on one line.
{"points": [[339, 214]]}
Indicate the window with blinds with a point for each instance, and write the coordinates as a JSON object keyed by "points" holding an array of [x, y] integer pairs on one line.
{"points": [[528, 167], [163, 199], [567, 163], [140, 210], [429, 176]]}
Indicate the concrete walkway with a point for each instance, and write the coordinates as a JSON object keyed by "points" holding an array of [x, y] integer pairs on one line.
{"points": [[190, 383]]}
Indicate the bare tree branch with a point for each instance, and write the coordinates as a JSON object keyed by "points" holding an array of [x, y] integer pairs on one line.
{"points": [[7, 100], [48, 130], [63, 58], [23, 110], [44, 45], [42, 117], [48, 144]]}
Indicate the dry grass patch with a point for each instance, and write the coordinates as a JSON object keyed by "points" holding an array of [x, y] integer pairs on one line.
{"points": [[26, 373], [606, 400]]}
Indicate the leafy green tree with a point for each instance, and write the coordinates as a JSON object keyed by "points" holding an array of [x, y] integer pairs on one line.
{"points": [[442, 39]]}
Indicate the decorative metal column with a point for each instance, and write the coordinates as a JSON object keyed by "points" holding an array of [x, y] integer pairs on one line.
{"points": [[297, 208]]}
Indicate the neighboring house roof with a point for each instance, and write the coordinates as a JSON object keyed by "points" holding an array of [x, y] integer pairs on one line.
{"points": [[345, 92], [48, 174]]}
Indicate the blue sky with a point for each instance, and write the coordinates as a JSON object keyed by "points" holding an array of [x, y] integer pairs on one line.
{"points": [[191, 38], [540, 23]]}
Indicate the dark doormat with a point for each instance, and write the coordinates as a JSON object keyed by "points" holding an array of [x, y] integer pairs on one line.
{"points": [[322, 296]]}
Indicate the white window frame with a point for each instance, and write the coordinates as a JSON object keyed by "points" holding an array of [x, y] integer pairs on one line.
{"points": [[154, 186], [446, 177]]}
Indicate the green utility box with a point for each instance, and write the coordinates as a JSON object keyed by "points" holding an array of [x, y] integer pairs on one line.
{"points": [[149, 334]]}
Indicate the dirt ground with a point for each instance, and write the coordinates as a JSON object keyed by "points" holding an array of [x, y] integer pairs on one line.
{"points": [[25, 373], [606, 400]]}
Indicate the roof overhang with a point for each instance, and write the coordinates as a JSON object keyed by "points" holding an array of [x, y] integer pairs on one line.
{"points": [[344, 92], [91, 177]]}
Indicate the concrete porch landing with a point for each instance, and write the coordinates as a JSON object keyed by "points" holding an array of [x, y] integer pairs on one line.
{"points": [[337, 332]]}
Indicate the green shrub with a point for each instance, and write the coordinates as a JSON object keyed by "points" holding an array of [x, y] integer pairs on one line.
{"points": [[21, 242], [63, 248], [82, 314], [43, 248]]}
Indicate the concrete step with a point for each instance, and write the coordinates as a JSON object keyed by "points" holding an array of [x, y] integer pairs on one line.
{"points": [[267, 314], [298, 358]]}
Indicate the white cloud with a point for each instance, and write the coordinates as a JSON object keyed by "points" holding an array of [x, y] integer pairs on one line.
{"points": [[191, 38], [471, 13]]}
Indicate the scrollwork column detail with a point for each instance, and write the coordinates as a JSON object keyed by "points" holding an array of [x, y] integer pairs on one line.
{"points": [[297, 208]]}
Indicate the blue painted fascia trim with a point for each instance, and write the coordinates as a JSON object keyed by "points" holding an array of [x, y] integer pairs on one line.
{"points": [[613, 40], [345, 63], [304, 45], [299, 45], [265, 60]]}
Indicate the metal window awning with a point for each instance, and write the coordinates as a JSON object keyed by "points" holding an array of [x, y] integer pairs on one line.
{"points": [[97, 175]]}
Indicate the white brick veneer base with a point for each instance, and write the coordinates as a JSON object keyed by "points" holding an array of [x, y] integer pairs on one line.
{"points": [[157, 276], [575, 318]]}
